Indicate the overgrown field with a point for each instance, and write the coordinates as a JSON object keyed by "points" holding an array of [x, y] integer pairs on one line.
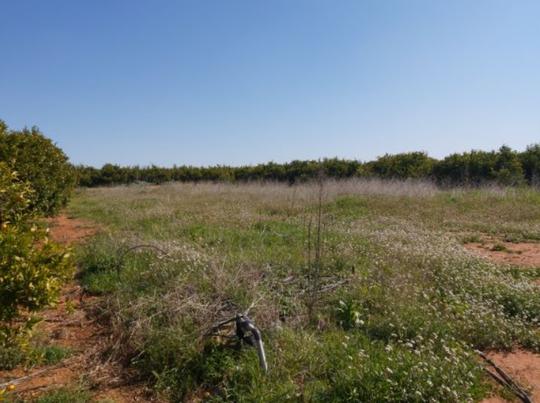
{"points": [[362, 289]]}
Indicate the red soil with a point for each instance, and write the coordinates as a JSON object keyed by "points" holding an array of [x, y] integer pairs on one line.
{"points": [[73, 325], [523, 367], [69, 230], [525, 254]]}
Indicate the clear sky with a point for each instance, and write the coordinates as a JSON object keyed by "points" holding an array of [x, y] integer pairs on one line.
{"points": [[238, 82]]}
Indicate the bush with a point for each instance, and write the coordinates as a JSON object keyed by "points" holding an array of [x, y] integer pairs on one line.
{"points": [[38, 161], [32, 269]]}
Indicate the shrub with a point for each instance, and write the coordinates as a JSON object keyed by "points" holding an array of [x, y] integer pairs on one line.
{"points": [[32, 269], [38, 161]]}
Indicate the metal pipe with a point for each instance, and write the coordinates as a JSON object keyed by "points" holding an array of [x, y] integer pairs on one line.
{"points": [[245, 325]]}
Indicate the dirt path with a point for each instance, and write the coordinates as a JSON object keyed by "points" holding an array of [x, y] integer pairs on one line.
{"points": [[73, 326], [68, 230]]}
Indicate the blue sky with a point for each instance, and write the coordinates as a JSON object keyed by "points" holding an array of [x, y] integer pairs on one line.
{"points": [[238, 82]]}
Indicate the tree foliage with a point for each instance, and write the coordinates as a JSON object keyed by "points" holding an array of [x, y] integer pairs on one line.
{"points": [[504, 166], [480, 167], [414, 165], [30, 276], [530, 161], [38, 161], [32, 268], [14, 196]]}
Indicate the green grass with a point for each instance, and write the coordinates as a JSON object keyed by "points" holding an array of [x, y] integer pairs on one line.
{"points": [[392, 310], [32, 355], [68, 394], [65, 395], [47, 355]]}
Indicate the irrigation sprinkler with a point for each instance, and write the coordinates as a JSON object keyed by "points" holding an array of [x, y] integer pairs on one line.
{"points": [[247, 332]]}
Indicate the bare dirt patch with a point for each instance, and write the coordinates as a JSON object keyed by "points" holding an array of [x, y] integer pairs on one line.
{"points": [[73, 324], [526, 254], [522, 366], [69, 230]]}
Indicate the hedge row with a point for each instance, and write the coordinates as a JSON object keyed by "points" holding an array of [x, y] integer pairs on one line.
{"points": [[504, 166]]}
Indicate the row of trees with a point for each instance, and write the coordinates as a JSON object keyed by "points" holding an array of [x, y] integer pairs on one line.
{"points": [[504, 166], [35, 180]]}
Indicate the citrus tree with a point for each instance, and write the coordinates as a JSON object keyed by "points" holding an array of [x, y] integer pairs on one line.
{"points": [[38, 161], [32, 268]]}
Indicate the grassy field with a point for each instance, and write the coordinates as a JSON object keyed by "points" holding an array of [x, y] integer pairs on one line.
{"points": [[362, 289]]}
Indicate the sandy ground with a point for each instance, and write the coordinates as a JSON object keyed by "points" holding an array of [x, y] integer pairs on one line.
{"points": [[71, 324]]}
